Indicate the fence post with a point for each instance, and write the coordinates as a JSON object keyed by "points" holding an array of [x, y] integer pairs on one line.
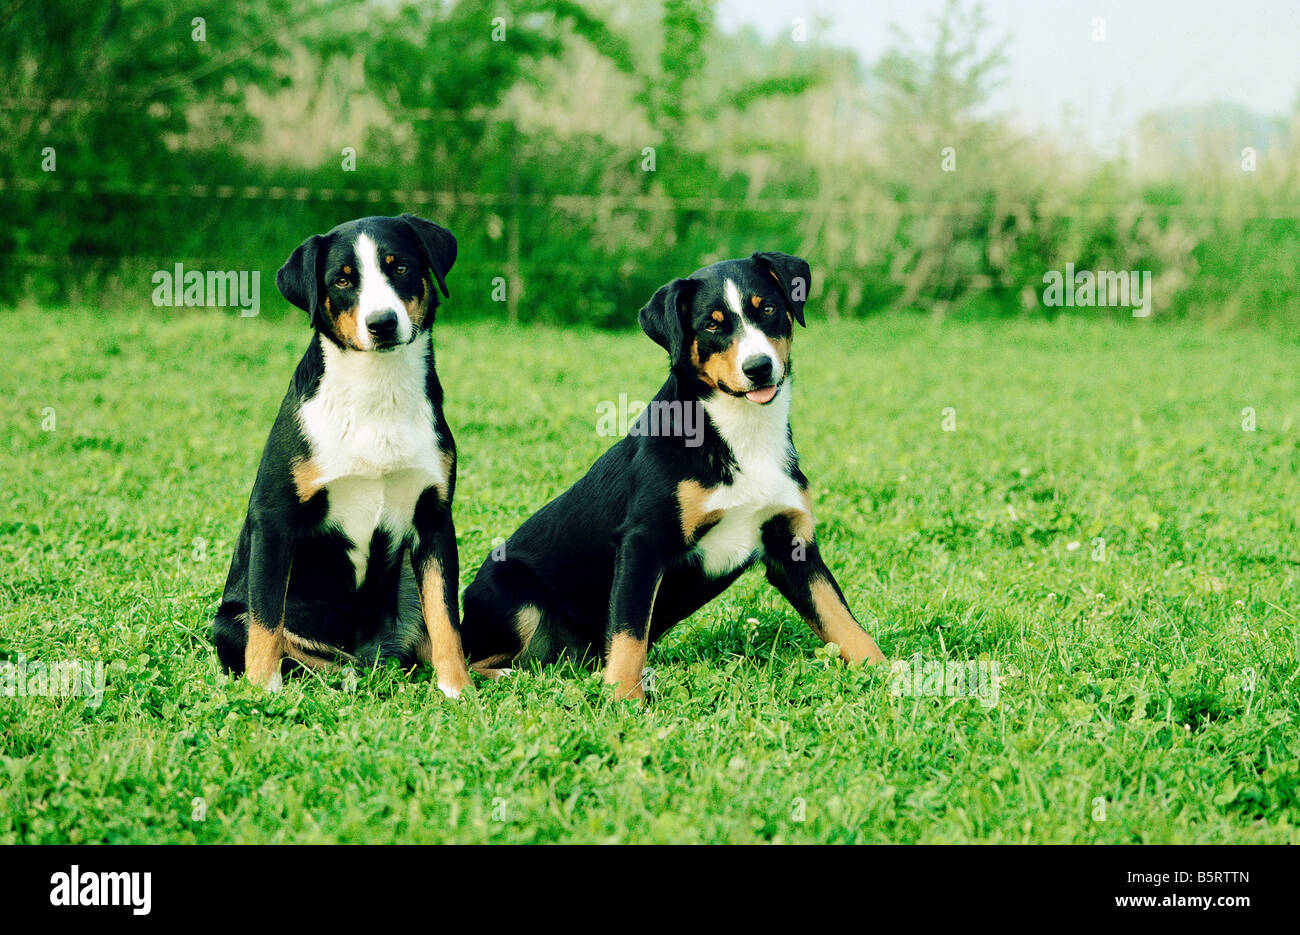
{"points": [[516, 283]]}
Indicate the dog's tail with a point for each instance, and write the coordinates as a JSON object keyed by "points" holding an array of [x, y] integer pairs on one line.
{"points": [[230, 633]]}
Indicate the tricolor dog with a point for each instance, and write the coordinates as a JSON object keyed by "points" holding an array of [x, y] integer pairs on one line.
{"points": [[348, 550], [658, 527]]}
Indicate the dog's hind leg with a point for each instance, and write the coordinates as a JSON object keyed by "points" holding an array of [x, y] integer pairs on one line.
{"points": [[504, 623], [490, 626], [534, 643], [313, 654]]}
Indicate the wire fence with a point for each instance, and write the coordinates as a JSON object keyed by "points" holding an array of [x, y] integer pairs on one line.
{"points": [[600, 203], [1237, 207]]}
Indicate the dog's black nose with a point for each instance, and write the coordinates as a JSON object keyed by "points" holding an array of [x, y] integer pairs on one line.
{"points": [[759, 369], [383, 325]]}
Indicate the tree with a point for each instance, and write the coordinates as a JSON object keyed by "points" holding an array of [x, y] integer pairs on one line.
{"points": [[100, 93]]}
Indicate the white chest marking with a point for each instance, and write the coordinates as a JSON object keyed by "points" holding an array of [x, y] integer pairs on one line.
{"points": [[762, 486], [373, 442]]}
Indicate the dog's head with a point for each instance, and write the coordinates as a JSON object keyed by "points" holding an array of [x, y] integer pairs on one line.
{"points": [[369, 284], [729, 325]]}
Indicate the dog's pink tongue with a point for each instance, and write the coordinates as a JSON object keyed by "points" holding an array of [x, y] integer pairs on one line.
{"points": [[761, 396]]}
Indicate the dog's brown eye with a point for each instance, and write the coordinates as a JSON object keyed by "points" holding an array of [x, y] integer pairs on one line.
{"points": [[401, 270], [342, 282], [711, 326], [768, 310]]}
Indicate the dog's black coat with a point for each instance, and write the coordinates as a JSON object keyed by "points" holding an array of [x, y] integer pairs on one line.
{"points": [[617, 555]]}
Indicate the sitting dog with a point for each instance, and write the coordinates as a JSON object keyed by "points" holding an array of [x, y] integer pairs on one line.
{"points": [[348, 550], [663, 523]]}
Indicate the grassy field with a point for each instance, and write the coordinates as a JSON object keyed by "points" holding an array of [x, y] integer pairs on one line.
{"points": [[1098, 528]]}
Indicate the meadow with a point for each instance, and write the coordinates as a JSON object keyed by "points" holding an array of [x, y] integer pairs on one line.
{"points": [[1103, 513]]}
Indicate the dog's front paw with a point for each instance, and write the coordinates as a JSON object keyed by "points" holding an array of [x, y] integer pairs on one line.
{"points": [[272, 684], [453, 683]]}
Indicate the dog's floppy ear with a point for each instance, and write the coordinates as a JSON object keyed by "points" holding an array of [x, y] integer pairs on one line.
{"points": [[299, 278], [663, 317], [792, 274], [438, 246]]}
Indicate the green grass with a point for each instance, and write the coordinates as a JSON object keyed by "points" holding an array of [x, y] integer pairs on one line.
{"points": [[1162, 680]]}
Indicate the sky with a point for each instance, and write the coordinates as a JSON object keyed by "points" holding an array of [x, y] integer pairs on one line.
{"points": [[1156, 53]]}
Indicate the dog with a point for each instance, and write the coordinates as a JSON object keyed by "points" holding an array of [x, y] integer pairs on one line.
{"points": [[348, 551], [663, 523]]}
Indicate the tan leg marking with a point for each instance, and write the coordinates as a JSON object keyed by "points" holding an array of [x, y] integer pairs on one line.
{"points": [[527, 619], [491, 662], [624, 665], [801, 521], [313, 653], [262, 654], [625, 660], [801, 524], [691, 500], [834, 624], [445, 650], [306, 478], [491, 667], [265, 647]]}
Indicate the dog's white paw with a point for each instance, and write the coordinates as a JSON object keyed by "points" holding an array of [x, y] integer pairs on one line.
{"points": [[449, 690], [276, 683]]}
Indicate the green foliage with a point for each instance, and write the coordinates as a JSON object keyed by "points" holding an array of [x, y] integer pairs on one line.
{"points": [[109, 87], [479, 114], [686, 26], [1159, 680]]}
